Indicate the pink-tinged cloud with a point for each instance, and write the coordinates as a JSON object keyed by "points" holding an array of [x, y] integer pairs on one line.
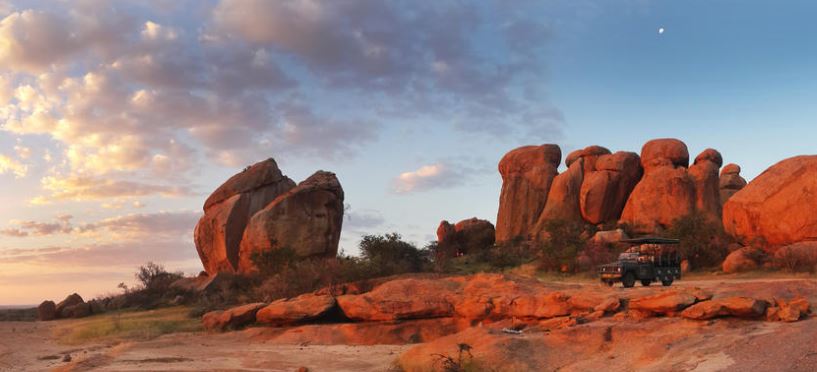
{"points": [[77, 188], [131, 226], [427, 177]]}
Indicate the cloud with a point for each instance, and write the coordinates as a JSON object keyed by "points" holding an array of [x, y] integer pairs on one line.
{"points": [[131, 226], [130, 91], [35, 228], [98, 255], [147, 224], [78, 188], [428, 177], [12, 166], [423, 57], [363, 219]]}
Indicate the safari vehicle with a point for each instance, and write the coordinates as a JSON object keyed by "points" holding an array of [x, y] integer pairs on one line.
{"points": [[648, 260]]}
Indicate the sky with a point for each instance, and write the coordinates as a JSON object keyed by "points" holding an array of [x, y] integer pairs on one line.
{"points": [[118, 118]]}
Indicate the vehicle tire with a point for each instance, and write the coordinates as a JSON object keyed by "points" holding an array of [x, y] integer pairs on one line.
{"points": [[628, 280], [609, 283], [646, 283], [666, 282]]}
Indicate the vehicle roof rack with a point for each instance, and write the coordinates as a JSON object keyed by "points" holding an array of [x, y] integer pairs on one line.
{"points": [[651, 240]]}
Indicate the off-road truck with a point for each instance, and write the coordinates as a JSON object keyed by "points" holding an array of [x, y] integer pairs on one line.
{"points": [[649, 259]]}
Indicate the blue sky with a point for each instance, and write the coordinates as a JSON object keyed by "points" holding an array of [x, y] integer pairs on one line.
{"points": [[118, 118]]}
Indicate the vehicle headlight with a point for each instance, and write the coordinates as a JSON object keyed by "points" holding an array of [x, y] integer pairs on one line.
{"points": [[618, 269]]}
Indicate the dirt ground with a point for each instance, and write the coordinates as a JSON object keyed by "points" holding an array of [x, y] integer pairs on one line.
{"points": [[29, 346], [661, 344]]}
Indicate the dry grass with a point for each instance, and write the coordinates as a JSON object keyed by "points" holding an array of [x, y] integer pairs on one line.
{"points": [[127, 325], [756, 274]]}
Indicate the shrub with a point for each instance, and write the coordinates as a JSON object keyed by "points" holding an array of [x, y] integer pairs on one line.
{"points": [[703, 241], [594, 254], [389, 255], [154, 277], [282, 274], [508, 254], [799, 257], [564, 242], [153, 290], [272, 261]]}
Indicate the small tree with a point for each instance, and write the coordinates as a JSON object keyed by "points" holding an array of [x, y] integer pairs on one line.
{"points": [[703, 241], [562, 246], [154, 276], [389, 254]]}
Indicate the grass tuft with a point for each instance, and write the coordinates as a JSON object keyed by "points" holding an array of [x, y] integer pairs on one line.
{"points": [[127, 325]]}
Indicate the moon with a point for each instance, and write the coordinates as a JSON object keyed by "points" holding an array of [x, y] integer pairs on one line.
{"points": [[660, 30]]}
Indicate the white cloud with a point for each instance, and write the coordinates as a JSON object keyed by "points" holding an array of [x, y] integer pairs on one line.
{"points": [[427, 177], [129, 91], [12, 166]]}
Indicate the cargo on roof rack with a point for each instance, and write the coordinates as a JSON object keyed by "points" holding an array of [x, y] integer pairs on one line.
{"points": [[651, 240]]}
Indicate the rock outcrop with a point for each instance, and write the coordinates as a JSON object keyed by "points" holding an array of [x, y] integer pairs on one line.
{"points": [[666, 192], [788, 311], [704, 173], [296, 310], [527, 174], [444, 311], [73, 306], [465, 236], [232, 318], [65, 309], [590, 155], [605, 191], [741, 307], [219, 232], [400, 300], [247, 213], [47, 311], [647, 192], [306, 219], [563, 198], [730, 181], [609, 237], [777, 207], [741, 260]]}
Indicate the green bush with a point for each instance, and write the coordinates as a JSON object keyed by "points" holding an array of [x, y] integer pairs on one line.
{"points": [[282, 274], [154, 290], [271, 262], [508, 254], [389, 255], [561, 248], [703, 241]]}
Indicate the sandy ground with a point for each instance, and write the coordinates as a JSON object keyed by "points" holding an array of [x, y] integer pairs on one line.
{"points": [[29, 346], [664, 344]]}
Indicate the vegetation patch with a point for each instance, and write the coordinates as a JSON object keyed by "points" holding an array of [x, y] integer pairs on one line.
{"points": [[127, 325]]}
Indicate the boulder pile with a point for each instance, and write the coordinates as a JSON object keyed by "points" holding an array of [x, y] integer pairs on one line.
{"points": [[647, 192], [72, 306], [261, 209], [465, 236]]}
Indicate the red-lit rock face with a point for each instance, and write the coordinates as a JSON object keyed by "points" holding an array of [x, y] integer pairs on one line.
{"points": [[777, 207], [261, 209]]}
